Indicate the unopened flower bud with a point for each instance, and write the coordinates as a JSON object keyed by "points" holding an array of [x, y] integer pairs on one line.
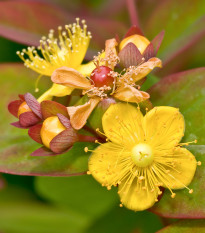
{"points": [[51, 127], [139, 41], [23, 108]]}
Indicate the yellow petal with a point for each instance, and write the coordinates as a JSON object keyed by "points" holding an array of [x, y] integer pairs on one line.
{"points": [[164, 127], [105, 163], [86, 69], [56, 90], [143, 70], [134, 197], [122, 124], [130, 94], [183, 172], [79, 114], [70, 77]]}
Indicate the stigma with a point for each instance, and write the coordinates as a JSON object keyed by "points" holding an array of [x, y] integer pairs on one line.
{"points": [[142, 155]]}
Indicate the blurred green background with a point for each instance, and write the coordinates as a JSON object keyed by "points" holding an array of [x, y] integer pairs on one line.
{"points": [[79, 204]]}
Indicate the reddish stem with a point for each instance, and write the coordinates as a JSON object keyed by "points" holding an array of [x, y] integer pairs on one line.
{"points": [[133, 12], [85, 138]]}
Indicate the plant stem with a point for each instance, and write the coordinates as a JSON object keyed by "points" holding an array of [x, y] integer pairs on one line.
{"points": [[131, 6]]}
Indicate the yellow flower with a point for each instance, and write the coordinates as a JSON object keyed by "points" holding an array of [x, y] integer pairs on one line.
{"points": [[142, 155], [104, 82], [68, 50]]}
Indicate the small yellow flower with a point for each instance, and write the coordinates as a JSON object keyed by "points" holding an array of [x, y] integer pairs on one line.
{"points": [[143, 154], [68, 50]]}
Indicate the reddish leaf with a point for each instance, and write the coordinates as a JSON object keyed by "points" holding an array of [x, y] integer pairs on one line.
{"points": [[63, 141], [28, 119], [18, 125], [64, 120], [34, 133], [134, 30], [185, 226], [130, 55], [51, 108], [33, 104], [41, 17], [43, 151], [149, 52], [13, 107], [156, 42]]}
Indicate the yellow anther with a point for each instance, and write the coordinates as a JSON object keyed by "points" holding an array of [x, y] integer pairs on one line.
{"points": [[191, 191], [173, 195], [88, 173], [86, 149], [199, 163]]}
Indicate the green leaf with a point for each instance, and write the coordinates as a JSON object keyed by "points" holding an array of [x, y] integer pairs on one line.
{"points": [[22, 212], [80, 193], [15, 158], [184, 30], [39, 218], [29, 21], [185, 226], [184, 90], [122, 220]]}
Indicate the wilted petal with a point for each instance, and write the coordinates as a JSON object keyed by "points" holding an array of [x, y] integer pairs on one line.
{"points": [[143, 70], [130, 94], [79, 114], [70, 77]]}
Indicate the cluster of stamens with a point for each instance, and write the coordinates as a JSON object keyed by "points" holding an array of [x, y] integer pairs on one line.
{"points": [[67, 50]]}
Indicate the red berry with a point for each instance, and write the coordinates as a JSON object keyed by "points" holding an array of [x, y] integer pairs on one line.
{"points": [[101, 76]]}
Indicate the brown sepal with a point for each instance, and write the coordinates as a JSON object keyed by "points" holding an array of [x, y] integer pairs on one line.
{"points": [[130, 55], [13, 107], [134, 30], [51, 108], [18, 125], [63, 140], [149, 52], [156, 42], [43, 151], [35, 133], [28, 119], [64, 120], [33, 104]]}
